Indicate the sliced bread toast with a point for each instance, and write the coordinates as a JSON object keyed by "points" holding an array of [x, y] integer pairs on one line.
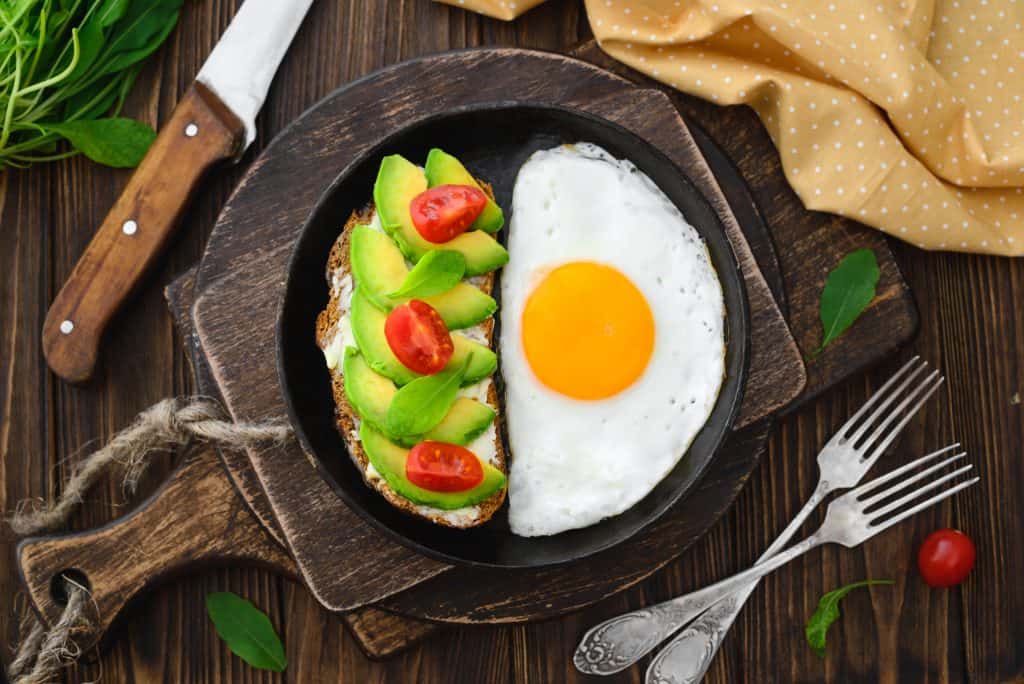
{"points": [[339, 279]]}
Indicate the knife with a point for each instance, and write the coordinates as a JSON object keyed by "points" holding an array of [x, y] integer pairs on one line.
{"points": [[214, 121]]}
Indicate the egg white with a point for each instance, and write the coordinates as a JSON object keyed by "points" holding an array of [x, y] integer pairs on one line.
{"points": [[575, 462]]}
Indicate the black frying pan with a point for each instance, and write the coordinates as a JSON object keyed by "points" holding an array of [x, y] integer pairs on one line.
{"points": [[493, 142]]}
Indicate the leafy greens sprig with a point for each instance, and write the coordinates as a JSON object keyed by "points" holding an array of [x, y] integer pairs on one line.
{"points": [[66, 67]]}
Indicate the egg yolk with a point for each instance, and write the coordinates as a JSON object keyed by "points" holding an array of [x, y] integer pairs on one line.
{"points": [[587, 331]]}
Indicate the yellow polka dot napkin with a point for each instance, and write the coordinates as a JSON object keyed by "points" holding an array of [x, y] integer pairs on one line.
{"points": [[905, 115]]}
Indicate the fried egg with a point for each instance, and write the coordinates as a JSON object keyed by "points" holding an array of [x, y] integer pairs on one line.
{"points": [[612, 339]]}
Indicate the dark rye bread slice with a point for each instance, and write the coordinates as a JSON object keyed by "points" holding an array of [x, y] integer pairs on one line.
{"points": [[346, 417]]}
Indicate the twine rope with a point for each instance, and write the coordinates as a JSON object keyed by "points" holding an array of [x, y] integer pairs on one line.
{"points": [[165, 426]]}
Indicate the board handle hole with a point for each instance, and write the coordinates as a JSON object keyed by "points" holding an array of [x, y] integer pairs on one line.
{"points": [[58, 589]]}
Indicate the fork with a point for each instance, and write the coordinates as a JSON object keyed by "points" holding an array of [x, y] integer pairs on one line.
{"points": [[850, 519], [615, 644]]}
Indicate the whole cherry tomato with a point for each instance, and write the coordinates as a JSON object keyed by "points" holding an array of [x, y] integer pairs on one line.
{"points": [[443, 213], [946, 557], [442, 467], [418, 337]]}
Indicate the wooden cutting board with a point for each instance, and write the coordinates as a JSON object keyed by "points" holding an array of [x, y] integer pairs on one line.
{"points": [[239, 291], [810, 244]]}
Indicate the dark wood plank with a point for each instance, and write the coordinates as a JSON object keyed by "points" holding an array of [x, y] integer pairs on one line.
{"points": [[972, 326]]}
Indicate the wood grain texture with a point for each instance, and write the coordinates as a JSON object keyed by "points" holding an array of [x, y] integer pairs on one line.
{"points": [[972, 324], [200, 133]]}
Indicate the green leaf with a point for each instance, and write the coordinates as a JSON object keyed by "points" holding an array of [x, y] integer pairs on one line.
{"points": [[140, 32], [438, 271], [828, 612], [91, 103], [90, 42], [246, 630], [849, 289], [120, 143], [111, 11], [423, 403]]}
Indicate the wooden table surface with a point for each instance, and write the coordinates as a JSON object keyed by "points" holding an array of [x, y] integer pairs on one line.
{"points": [[972, 327]]}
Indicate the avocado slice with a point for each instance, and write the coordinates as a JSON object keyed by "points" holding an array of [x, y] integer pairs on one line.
{"points": [[370, 394], [389, 460], [380, 269], [444, 169], [398, 183], [368, 329]]}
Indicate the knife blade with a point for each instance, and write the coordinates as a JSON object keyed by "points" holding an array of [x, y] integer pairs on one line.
{"points": [[215, 121]]}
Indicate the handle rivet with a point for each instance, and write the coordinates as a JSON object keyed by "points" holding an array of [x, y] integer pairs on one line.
{"points": [[67, 326], [130, 227], [191, 130]]}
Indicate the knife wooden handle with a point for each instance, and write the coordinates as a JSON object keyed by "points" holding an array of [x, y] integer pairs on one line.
{"points": [[201, 132]]}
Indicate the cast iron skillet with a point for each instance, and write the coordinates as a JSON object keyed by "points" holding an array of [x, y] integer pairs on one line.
{"points": [[493, 142]]}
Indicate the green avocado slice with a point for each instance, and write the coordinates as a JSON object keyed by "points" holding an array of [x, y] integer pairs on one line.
{"points": [[389, 460], [368, 329], [444, 169], [380, 269], [370, 395], [399, 181]]}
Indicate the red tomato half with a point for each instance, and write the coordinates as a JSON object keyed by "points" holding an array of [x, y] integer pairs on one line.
{"points": [[946, 557], [418, 337], [442, 467], [447, 211]]}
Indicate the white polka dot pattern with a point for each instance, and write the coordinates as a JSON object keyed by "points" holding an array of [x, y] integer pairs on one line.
{"points": [[906, 116]]}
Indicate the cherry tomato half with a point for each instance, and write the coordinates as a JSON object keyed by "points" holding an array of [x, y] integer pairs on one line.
{"points": [[418, 337], [447, 211], [442, 467], [946, 557]]}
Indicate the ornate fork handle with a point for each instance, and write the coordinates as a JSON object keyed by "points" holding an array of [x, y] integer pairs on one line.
{"points": [[687, 657], [615, 644]]}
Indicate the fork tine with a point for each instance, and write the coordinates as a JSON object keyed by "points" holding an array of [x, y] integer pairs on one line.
{"points": [[929, 386], [916, 494], [889, 399], [875, 498], [877, 482], [879, 394], [875, 529]]}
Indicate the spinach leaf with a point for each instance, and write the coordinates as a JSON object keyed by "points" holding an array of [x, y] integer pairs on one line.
{"points": [[246, 630], [140, 32], [115, 142], [90, 42], [438, 271], [112, 10], [849, 289], [424, 402], [828, 612]]}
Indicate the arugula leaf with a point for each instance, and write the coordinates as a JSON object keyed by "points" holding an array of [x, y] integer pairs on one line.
{"points": [[246, 630], [115, 142], [438, 271], [828, 612], [849, 289], [423, 403]]}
